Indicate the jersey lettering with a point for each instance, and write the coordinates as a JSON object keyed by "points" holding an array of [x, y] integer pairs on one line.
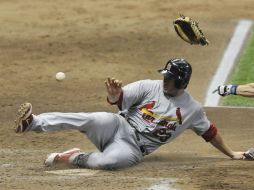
{"points": [[166, 125]]}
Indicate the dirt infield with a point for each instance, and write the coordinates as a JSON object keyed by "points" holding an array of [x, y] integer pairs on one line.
{"points": [[130, 40]]}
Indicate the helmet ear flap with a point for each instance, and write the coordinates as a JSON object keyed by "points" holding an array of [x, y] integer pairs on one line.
{"points": [[178, 82], [183, 82]]}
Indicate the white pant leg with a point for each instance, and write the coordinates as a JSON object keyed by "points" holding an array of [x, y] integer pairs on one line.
{"points": [[99, 127], [115, 156], [122, 152]]}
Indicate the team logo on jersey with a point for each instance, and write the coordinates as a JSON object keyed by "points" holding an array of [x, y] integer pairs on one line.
{"points": [[149, 116], [165, 124]]}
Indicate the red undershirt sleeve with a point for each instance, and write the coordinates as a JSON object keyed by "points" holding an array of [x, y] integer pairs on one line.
{"points": [[210, 133]]}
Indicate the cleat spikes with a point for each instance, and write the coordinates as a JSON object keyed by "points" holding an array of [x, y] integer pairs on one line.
{"points": [[24, 117]]}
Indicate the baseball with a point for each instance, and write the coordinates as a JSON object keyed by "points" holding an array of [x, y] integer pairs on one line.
{"points": [[60, 76]]}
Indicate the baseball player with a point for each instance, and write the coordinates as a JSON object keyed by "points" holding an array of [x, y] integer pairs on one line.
{"points": [[246, 90], [152, 113]]}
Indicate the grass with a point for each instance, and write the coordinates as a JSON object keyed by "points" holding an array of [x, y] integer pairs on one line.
{"points": [[242, 74]]}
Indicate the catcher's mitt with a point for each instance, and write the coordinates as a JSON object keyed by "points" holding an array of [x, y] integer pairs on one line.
{"points": [[189, 30], [249, 155]]}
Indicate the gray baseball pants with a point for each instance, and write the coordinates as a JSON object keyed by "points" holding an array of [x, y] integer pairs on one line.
{"points": [[109, 132]]}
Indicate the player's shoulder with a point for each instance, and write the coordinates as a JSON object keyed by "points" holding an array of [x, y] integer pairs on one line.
{"points": [[150, 82], [196, 105], [144, 85]]}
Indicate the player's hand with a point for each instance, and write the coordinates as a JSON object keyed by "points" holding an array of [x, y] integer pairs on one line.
{"points": [[238, 156], [224, 90], [114, 89]]}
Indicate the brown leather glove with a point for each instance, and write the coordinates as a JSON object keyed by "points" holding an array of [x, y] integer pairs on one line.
{"points": [[189, 31]]}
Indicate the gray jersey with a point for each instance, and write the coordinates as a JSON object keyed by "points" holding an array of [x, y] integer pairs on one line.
{"points": [[160, 118]]}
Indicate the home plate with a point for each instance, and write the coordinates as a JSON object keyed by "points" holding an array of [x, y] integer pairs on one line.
{"points": [[74, 172]]}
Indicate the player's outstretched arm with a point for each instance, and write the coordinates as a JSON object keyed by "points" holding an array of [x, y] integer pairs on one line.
{"points": [[246, 90], [114, 89], [219, 143]]}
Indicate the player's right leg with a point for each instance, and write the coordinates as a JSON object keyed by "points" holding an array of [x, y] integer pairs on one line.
{"points": [[99, 127], [56, 121]]}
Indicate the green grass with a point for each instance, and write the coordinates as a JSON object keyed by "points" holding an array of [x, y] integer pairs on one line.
{"points": [[242, 74]]}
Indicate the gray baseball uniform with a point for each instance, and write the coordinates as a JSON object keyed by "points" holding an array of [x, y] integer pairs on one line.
{"points": [[148, 119]]}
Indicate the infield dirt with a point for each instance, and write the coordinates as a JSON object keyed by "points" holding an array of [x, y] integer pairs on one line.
{"points": [[129, 40]]}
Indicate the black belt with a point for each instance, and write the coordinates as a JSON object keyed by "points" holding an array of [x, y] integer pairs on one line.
{"points": [[141, 147]]}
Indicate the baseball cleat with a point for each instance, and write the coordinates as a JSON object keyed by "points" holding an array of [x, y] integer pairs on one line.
{"points": [[24, 118], [55, 158]]}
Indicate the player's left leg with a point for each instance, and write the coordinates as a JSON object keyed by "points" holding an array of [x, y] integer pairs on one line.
{"points": [[117, 155], [122, 151]]}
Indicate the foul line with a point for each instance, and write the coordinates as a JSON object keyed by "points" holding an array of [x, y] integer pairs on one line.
{"points": [[227, 63]]}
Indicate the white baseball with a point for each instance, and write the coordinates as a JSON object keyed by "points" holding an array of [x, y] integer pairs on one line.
{"points": [[60, 76]]}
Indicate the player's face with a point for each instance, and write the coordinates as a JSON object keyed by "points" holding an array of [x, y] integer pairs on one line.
{"points": [[169, 87]]}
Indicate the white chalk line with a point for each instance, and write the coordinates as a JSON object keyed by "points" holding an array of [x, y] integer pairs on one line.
{"points": [[90, 172], [163, 185], [74, 172], [228, 61], [158, 183]]}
